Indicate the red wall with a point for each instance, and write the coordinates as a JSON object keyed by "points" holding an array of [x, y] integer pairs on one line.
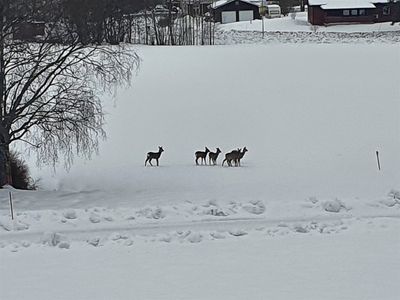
{"points": [[318, 16]]}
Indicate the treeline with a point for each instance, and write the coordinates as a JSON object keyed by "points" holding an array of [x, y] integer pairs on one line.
{"points": [[112, 21]]}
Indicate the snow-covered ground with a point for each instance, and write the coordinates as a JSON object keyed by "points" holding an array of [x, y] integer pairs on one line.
{"points": [[308, 215]]}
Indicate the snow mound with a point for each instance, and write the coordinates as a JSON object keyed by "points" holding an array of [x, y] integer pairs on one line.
{"points": [[333, 205], [152, 212], [69, 214], [394, 194], [256, 207], [54, 239], [389, 201], [213, 208], [13, 225], [195, 238], [96, 242], [238, 232], [218, 235]]}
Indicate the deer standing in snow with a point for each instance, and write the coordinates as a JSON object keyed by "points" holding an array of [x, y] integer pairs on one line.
{"points": [[237, 162], [202, 155], [233, 155], [153, 155], [236, 156], [212, 156]]}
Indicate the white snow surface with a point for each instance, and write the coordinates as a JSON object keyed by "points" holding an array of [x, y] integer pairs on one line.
{"points": [[308, 215]]}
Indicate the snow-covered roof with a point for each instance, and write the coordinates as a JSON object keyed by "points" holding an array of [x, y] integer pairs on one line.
{"points": [[219, 3], [337, 4], [263, 3], [273, 6]]}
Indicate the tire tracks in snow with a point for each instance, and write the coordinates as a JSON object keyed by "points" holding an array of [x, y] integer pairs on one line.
{"points": [[220, 224]]}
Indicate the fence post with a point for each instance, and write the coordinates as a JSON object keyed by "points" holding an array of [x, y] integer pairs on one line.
{"points": [[377, 159], [11, 205]]}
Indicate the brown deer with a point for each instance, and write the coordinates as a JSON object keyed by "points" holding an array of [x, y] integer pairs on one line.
{"points": [[202, 155], [233, 155], [153, 155], [212, 156]]}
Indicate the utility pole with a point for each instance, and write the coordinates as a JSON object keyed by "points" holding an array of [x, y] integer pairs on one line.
{"points": [[262, 20], [262, 12]]}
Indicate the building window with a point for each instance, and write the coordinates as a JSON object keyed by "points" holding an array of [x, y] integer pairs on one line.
{"points": [[386, 10], [334, 13], [346, 12], [354, 12], [361, 12]]}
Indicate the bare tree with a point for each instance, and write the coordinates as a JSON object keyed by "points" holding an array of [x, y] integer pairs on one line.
{"points": [[395, 7], [287, 5], [50, 93]]}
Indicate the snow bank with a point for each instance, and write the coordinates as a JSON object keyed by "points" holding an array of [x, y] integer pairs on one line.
{"points": [[187, 222], [232, 37]]}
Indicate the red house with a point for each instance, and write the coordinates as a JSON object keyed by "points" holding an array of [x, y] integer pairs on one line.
{"points": [[324, 12]]}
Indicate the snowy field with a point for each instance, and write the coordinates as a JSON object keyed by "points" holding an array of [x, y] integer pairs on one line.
{"points": [[308, 215]]}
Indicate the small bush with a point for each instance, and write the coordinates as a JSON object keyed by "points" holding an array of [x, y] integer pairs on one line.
{"points": [[20, 173]]}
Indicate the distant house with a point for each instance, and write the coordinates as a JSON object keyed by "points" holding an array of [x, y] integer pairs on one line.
{"points": [[195, 7], [228, 11], [28, 31], [323, 12]]}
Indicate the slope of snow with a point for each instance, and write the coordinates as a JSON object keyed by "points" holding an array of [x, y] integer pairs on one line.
{"points": [[307, 216]]}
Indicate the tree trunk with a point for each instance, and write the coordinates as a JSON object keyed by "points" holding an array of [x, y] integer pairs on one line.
{"points": [[170, 25], [146, 27], [155, 28], [5, 171], [3, 145]]}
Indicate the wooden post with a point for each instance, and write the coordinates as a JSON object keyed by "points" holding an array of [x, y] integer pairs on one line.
{"points": [[11, 205], [377, 159]]}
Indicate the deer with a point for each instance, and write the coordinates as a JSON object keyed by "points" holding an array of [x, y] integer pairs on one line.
{"points": [[241, 154], [233, 155], [202, 155], [212, 156], [154, 155]]}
